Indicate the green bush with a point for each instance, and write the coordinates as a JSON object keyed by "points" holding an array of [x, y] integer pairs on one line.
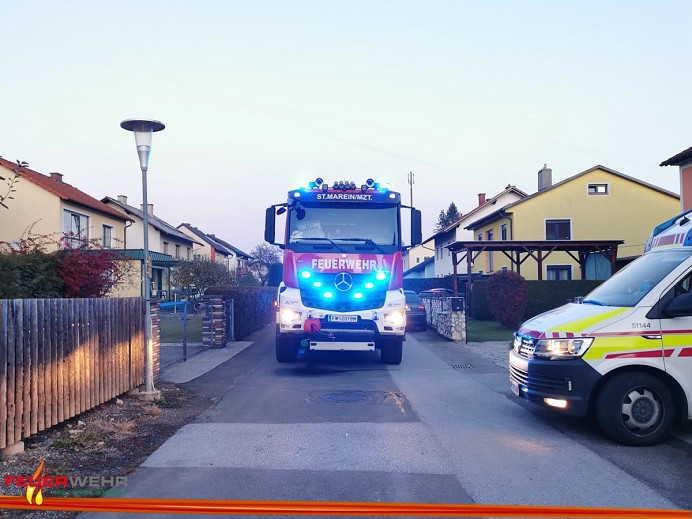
{"points": [[508, 296], [253, 306], [32, 275]]}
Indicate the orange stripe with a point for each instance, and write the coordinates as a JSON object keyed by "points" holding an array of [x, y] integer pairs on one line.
{"points": [[206, 507]]}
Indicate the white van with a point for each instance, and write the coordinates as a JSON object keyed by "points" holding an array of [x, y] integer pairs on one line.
{"points": [[624, 353]]}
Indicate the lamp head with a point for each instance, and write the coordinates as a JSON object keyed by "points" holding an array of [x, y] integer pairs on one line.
{"points": [[143, 130]]}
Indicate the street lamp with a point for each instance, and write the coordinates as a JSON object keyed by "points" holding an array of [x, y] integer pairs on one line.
{"points": [[143, 130]]}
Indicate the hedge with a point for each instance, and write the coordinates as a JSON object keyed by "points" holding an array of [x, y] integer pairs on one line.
{"points": [[253, 306]]}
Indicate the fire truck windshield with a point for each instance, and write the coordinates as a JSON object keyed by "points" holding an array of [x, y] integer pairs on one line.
{"points": [[358, 227]]}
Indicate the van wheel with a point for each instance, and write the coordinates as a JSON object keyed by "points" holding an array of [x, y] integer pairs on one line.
{"points": [[635, 409], [286, 349], [390, 352]]}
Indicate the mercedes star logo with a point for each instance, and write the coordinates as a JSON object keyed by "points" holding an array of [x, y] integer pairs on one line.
{"points": [[343, 281]]}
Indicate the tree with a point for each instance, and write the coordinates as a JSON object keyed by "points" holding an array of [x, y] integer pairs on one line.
{"points": [[448, 217], [200, 274], [263, 257], [507, 294]]}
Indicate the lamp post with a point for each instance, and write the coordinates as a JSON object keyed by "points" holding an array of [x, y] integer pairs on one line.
{"points": [[143, 130]]}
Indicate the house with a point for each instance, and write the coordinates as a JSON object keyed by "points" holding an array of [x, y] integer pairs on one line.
{"points": [[216, 249], [424, 269], [596, 204], [417, 254], [47, 205], [458, 231], [684, 162], [167, 245]]}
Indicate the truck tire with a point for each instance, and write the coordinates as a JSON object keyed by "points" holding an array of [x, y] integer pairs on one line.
{"points": [[635, 409], [390, 352], [286, 349]]}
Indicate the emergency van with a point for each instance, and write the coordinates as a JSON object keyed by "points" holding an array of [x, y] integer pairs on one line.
{"points": [[623, 353]]}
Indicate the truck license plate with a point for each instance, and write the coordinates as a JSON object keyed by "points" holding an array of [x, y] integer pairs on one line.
{"points": [[514, 386], [343, 318]]}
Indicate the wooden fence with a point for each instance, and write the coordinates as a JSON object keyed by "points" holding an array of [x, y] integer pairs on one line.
{"points": [[61, 357]]}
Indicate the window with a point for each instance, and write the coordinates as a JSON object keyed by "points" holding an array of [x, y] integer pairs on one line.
{"points": [[177, 251], [480, 237], [187, 253], [75, 227], [503, 232], [558, 230], [489, 235], [559, 272], [598, 189], [107, 236], [165, 247]]}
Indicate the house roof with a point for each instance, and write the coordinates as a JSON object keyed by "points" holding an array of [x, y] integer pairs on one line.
{"points": [[214, 241], [421, 265], [680, 158], [156, 222], [472, 212], [63, 190], [498, 213]]}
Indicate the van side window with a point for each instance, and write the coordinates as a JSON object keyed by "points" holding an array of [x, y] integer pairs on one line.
{"points": [[684, 285]]}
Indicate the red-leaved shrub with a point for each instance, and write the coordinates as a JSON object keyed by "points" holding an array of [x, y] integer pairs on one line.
{"points": [[507, 295]]}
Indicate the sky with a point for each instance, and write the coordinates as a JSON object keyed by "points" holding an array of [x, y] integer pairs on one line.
{"points": [[259, 96]]}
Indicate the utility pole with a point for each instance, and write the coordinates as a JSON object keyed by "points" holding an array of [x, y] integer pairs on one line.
{"points": [[410, 183]]}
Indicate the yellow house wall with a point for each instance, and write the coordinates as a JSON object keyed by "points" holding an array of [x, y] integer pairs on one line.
{"points": [[32, 205], [37, 211], [629, 212]]}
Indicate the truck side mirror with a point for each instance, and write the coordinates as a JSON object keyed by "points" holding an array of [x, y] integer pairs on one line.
{"points": [[269, 224], [416, 227], [680, 306]]}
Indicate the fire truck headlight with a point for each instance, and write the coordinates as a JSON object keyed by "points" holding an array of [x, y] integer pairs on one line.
{"points": [[562, 348], [289, 316], [395, 318]]}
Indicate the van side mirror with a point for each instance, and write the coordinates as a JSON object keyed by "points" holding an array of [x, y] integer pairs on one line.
{"points": [[680, 306]]}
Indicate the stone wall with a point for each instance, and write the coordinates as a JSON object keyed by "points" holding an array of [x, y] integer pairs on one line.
{"points": [[448, 323]]}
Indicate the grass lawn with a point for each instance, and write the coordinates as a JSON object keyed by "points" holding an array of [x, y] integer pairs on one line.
{"points": [[482, 331], [172, 329]]}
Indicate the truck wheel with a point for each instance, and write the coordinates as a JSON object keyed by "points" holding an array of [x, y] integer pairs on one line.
{"points": [[286, 349], [391, 351], [635, 409]]}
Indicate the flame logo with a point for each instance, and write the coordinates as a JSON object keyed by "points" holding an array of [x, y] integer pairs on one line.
{"points": [[34, 494]]}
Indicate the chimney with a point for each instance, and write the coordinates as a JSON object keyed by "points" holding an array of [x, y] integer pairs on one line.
{"points": [[122, 199], [545, 178], [481, 199], [56, 176], [150, 209]]}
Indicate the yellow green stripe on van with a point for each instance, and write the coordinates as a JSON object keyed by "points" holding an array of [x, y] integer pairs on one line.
{"points": [[587, 322], [620, 344]]}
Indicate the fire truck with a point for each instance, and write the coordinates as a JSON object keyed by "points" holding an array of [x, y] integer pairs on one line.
{"points": [[342, 285]]}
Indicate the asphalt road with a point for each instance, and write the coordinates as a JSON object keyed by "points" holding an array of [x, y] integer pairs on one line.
{"points": [[442, 427]]}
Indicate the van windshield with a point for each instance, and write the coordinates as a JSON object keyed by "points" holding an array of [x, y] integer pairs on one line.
{"points": [[633, 282]]}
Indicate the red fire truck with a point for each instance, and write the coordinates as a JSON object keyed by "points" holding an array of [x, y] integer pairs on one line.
{"points": [[342, 286]]}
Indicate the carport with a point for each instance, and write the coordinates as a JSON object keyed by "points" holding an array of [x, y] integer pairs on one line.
{"points": [[519, 251]]}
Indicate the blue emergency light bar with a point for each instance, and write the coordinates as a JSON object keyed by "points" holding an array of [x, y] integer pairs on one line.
{"points": [[370, 191]]}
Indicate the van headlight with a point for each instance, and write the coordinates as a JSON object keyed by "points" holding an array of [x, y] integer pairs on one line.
{"points": [[562, 348]]}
